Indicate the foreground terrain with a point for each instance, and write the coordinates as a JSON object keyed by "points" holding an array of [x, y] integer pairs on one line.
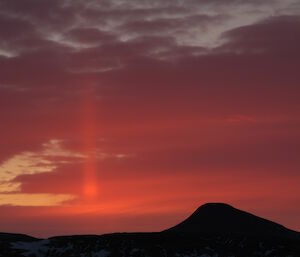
{"points": [[213, 230]]}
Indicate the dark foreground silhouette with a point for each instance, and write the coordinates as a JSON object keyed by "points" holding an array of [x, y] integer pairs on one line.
{"points": [[213, 230]]}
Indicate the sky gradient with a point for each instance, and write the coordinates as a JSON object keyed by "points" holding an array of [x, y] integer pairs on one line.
{"points": [[121, 115]]}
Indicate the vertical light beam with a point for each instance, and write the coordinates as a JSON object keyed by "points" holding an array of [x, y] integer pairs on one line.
{"points": [[90, 183]]}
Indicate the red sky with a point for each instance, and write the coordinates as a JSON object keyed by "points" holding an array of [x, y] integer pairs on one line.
{"points": [[127, 115]]}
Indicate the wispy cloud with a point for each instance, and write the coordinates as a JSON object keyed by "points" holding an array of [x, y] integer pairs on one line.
{"points": [[34, 199], [46, 160], [30, 163], [49, 158]]}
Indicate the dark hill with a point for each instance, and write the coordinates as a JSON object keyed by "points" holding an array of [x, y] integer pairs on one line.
{"points": [[16, 237], [223, 219]]}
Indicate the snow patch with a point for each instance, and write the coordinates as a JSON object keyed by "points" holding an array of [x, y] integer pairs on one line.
{"points": [[38, 248]]}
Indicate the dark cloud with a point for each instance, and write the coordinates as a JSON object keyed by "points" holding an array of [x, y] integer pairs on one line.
{"points": [[14, 29], [278, 35], [90, 35], [170, 25]]}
